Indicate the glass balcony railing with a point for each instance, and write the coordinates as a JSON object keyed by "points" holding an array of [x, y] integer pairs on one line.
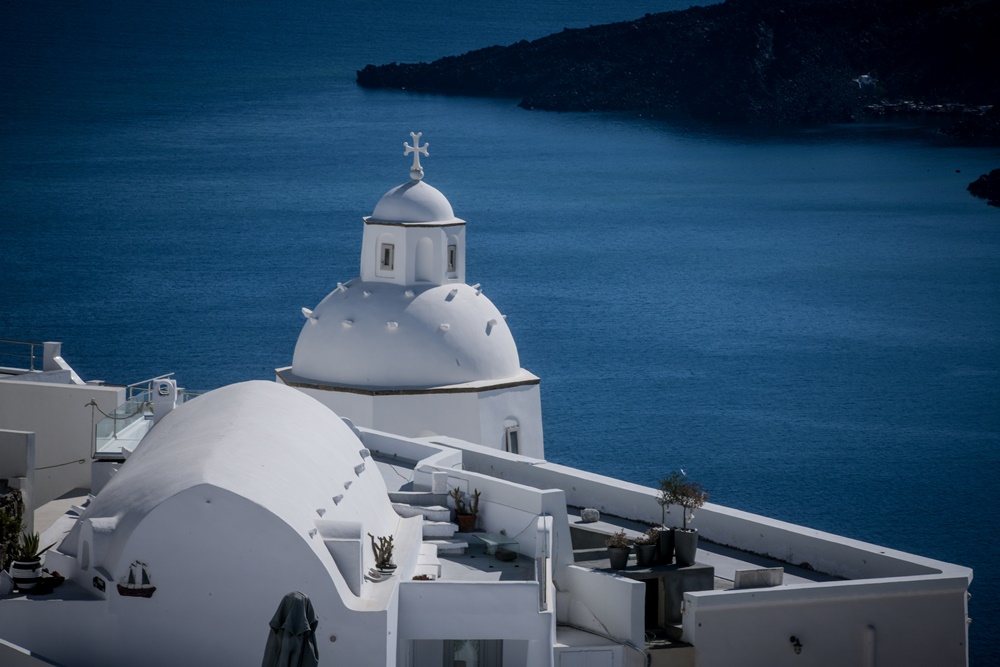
{"points": [[125, 427], [119, 432]]}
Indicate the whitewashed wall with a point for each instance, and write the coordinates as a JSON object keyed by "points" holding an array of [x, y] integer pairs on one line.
{"points": [[913, 622], [488, 610], [220, 561], [477, 417], [522, 403], [605, 603], [935, 591], [64, 429]]}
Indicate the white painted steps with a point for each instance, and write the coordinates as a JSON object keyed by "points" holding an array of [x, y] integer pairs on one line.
{"points": [[429, 512], [451, 545], [438, 529]]}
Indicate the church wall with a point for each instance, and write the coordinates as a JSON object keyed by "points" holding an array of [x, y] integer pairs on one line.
{"points": [[420, 415], [221, 561], [356, 407], [479, 417], [499, 406]]}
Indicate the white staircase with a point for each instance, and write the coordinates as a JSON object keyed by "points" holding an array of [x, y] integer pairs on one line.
{"points": [[438, 529]]}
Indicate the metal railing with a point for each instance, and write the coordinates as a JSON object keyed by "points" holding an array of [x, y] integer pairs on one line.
{"points": [[144, 386], [19, 354], [129, 422]]}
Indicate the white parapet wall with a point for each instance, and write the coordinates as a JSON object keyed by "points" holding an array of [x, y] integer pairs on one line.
{"points": [[63, 424], [909, 621], [799, 545], [605, 603], [898, 596], [504, 610]]}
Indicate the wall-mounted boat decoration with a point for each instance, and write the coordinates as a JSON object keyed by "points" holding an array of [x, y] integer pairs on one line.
{"points": [[136, 584]]}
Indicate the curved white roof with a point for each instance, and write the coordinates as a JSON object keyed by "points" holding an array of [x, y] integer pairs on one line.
{"points": [[413, 202], [273, 445], [382, 335]]}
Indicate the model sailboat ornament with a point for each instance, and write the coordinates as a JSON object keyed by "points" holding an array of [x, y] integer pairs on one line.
{"points": [[136, 584]]}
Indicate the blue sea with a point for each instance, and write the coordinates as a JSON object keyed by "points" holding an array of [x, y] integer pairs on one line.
{"points": [[807, 321]]}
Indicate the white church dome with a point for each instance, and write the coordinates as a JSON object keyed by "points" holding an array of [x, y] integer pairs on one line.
{"points": [[383, 335], [413, 202]]}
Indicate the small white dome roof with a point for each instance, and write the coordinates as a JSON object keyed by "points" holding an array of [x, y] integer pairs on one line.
{"points": [[413, 202], [382, 335]]}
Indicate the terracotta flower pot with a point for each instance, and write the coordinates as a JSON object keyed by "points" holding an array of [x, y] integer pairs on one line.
{"points": [[466, 523]]}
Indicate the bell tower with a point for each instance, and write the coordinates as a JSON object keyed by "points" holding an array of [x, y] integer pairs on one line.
{"points": [[412, 237]]}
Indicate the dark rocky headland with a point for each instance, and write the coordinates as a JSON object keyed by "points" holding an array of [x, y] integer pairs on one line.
{"points": [[987, 187], [749, 61]]}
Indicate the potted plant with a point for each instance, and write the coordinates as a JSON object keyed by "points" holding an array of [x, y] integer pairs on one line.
{"points": [[26, 563], [619, 548], [689, 496], [383, 553], [645, 547], [465, 514], [664, 498]]}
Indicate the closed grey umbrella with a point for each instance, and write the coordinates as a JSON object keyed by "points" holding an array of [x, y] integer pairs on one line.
{"points": [[292, 640]]}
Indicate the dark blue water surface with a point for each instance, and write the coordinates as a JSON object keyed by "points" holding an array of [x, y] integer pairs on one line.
{"points": [[806, 321]]}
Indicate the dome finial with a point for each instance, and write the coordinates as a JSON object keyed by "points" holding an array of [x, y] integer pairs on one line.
{"points": [[416, 171]]}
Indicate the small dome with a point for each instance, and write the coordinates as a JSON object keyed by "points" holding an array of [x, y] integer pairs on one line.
{"points": [[413, 202], [386, 336]]}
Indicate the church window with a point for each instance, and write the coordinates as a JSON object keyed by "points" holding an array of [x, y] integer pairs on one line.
{"points": [[512, 439], [386, 253], [452, 257]]}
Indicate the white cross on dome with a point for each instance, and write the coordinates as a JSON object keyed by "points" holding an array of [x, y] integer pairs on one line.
{"points": [[416, 171]]}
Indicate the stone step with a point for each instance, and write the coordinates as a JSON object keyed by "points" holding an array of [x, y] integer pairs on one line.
{"points": [[449, 546], [439, 529], [424, 498], [429, 512], [428, 562]]}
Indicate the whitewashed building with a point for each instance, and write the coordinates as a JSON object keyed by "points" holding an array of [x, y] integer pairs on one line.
{"points": [[406, 385]]}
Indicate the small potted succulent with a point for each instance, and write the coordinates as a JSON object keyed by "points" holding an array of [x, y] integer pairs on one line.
{"points": [[26, 561], [383, 553], [689, 496], [645, 547], [465, 514], [619, 548]]}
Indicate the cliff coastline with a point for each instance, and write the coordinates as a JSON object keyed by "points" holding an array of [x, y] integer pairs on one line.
{"points": [[749, 61]]}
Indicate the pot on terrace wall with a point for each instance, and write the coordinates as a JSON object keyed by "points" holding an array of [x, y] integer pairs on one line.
{"points": [[618, 556], [466, 522], [645, 555], [666, 554], [685, 545], [26, 573]]}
